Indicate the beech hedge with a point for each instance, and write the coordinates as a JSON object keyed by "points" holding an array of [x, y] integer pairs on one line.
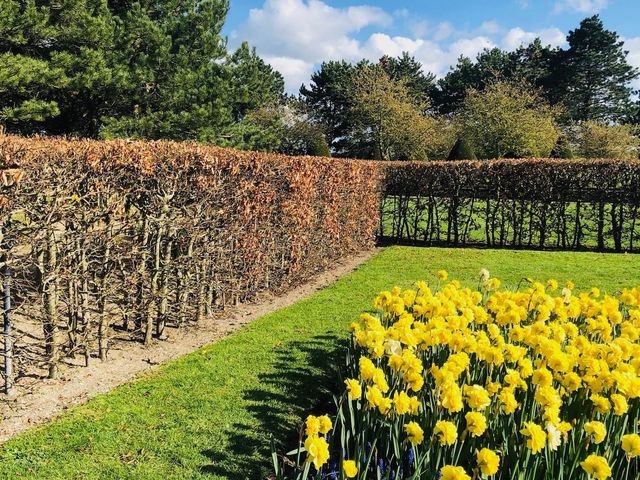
{"points": [[123, 239], [119, 240], [541, 203]]}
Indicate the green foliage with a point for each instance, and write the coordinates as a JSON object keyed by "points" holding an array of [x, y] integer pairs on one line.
{"points": [[260, 130], [509, 118], [330, 100], [253, 83], [406, 68], [596, 76], [490, 65], [563, 148], [598, 140], [443, 135], [327, 97], [282, 128], [114, 69], [462, 150], [592, 78], [54, 64], [179, 75], [389, 117]]}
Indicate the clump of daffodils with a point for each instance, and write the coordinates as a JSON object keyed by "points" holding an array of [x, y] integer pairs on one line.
{"points": [[453, 383]]}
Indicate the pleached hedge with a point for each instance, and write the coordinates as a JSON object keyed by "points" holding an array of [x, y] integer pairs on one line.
{"points": [[134, 237], [119, 239], [536, 203]]}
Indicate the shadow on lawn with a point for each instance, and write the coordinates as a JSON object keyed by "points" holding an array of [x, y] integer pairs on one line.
{"points": [[303, 382]]}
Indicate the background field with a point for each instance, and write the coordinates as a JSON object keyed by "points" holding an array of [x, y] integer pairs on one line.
{"points": [[210, 414]]}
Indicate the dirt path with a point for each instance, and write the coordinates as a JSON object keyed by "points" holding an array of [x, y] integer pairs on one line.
{"points": [[35, 403]]}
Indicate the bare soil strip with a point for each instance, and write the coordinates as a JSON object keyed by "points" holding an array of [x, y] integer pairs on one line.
{"points": [[35, 403]]}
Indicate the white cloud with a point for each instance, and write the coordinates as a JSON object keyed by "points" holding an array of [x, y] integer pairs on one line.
{"points": [[633, 46], [295, 71], [419, 28], [581, 6], [295, 36], [434, 57], [309, 30], [517, 37], [442, 31], [491, 27], [424, 29], [470, 47]]}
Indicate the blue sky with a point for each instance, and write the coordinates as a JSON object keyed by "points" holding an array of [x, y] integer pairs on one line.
{"points": [[295, 36]]}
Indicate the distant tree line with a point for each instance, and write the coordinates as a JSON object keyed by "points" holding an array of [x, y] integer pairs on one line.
{"points": [[160, 69], [534, 101]]}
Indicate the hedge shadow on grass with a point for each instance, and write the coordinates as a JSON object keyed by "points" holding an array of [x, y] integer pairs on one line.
{"points": [[287, 394]]}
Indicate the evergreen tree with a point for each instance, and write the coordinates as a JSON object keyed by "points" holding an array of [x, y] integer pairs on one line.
{"points": [[490, 65], [562, 149], [538, 65], [462, 150], [253, 83], [54, 69], [141, 69], [596, 76], [328, 98], [180, 87], [406, 68]]}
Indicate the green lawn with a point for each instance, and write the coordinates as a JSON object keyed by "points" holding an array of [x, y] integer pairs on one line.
{"points": [[209, 414]]}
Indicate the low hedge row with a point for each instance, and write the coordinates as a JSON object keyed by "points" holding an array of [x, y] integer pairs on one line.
{"points": [[532, 179], [534, 203]]}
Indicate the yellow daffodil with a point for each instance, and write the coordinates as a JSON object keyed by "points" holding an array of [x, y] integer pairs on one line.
{"points": [[317, 450], [446, 431], [350, 468], [354, 390], [476, 423], [596, 430], [596, 467], [631, 445], [536, 437], [415, 435], [488, 461], [450, 472]]}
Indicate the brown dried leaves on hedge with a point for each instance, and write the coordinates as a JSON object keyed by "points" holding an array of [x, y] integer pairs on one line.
{"points": [[608, 181], [157, 233]]}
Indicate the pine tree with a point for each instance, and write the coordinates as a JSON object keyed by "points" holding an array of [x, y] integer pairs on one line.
{"points": [[596, 77], [406, 68], [490, 65], [538, 65], [179, 86], [253, 83], [54, 66], [327, 97]]}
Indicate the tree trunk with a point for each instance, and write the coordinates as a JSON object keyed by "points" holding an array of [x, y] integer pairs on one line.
{"points": [[103, 320], [50, 278]]}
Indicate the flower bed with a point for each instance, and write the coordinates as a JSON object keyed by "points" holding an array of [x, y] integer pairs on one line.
{"points": [[453, 383]]}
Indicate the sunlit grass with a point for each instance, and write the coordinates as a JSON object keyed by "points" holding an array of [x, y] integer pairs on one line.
{"points": [[209, 414]]}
